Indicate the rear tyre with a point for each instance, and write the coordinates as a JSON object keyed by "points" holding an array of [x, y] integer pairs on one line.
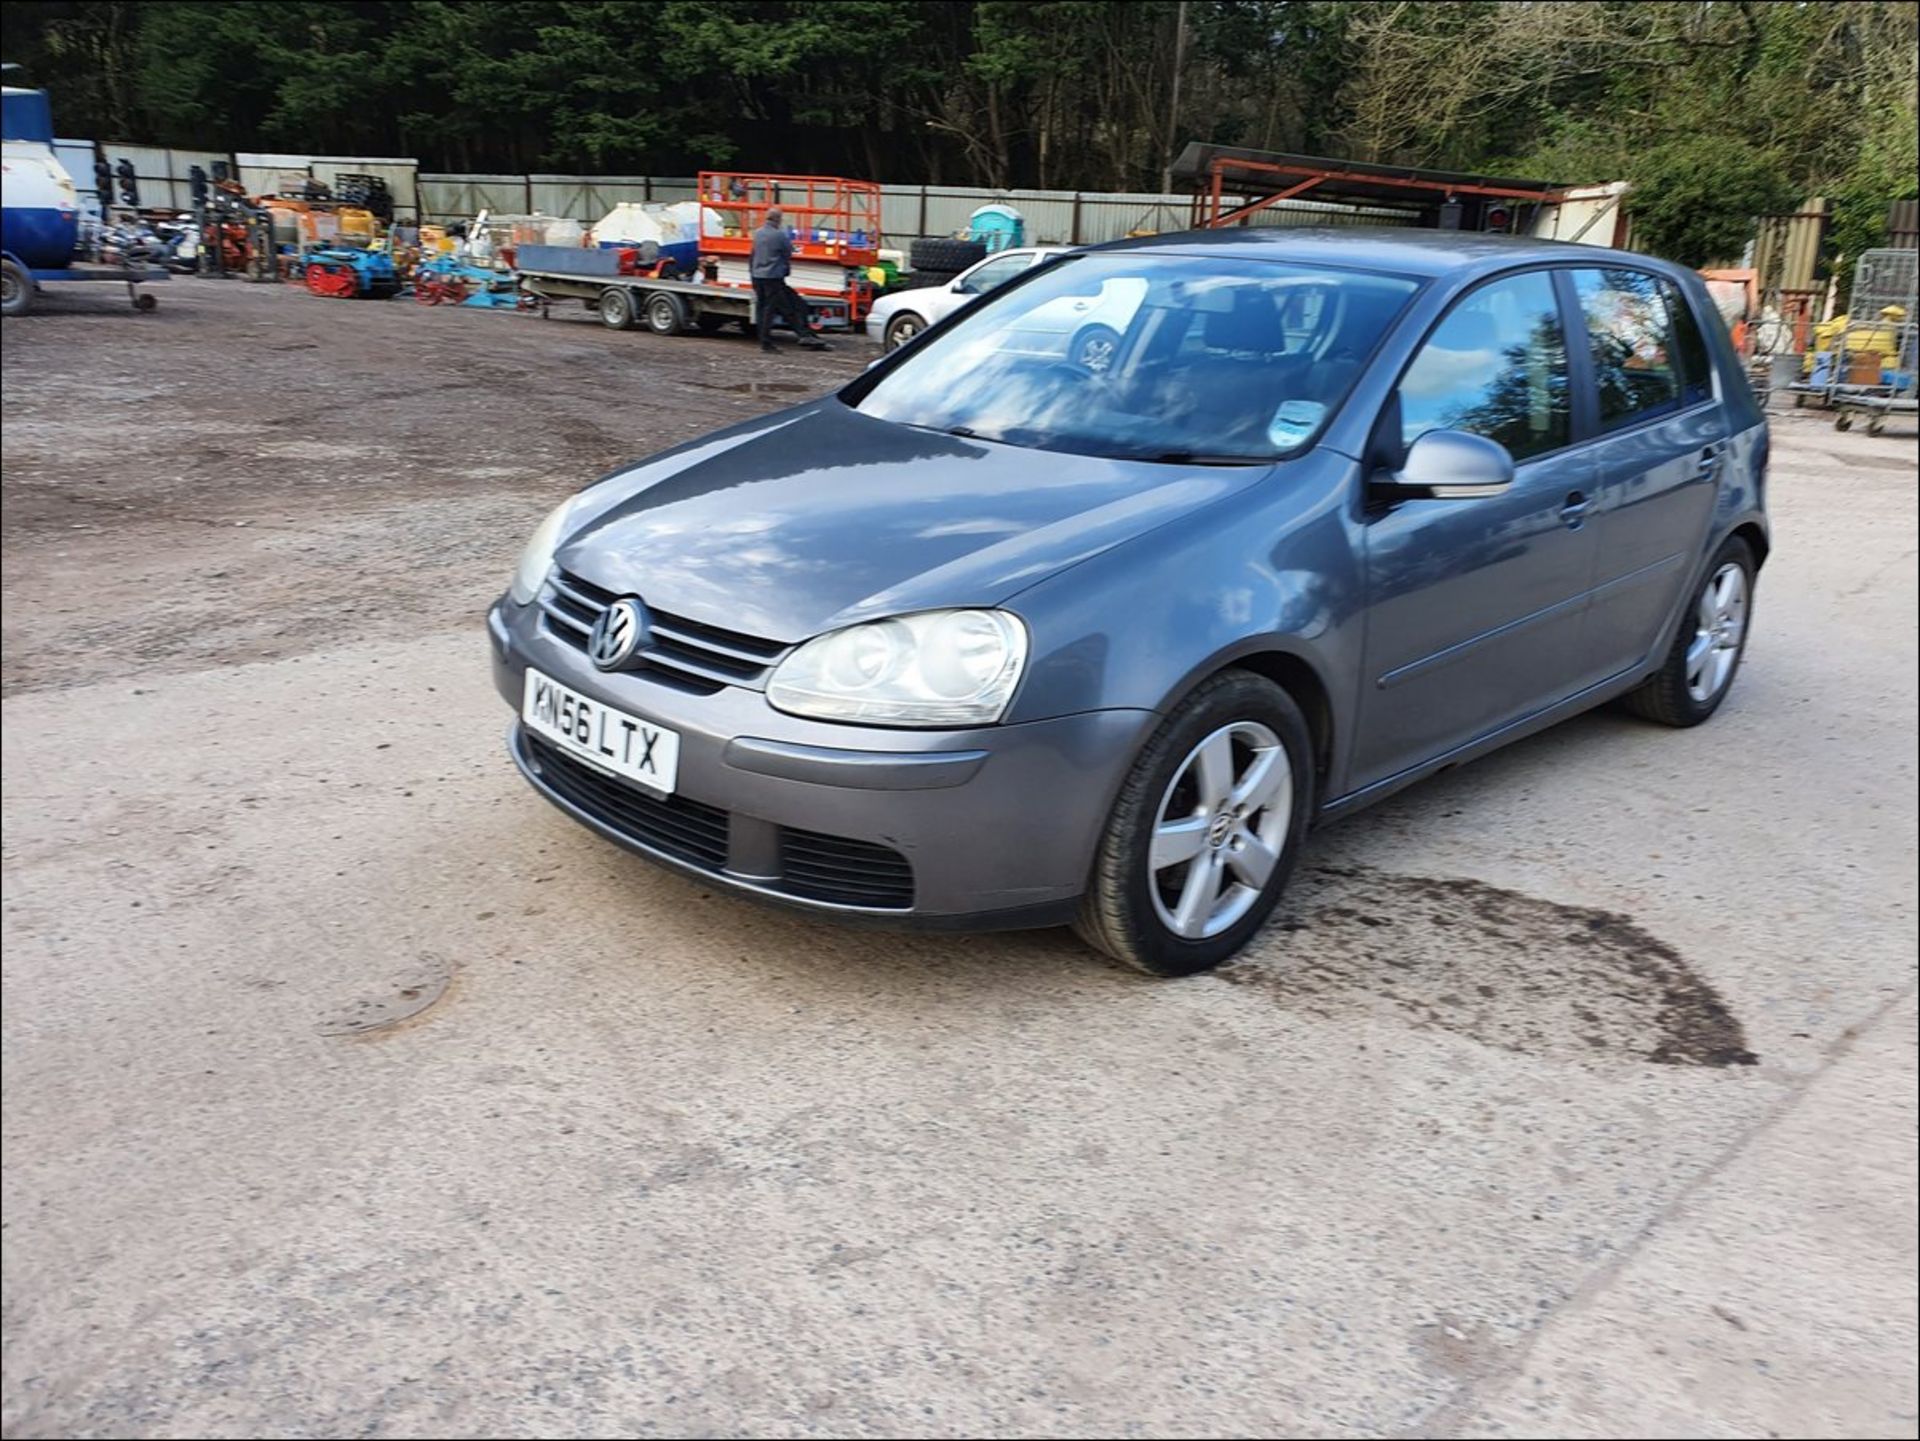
{"points": [[666, 314], [16, 289], [616, 308], [1205, 831], [1705, 655], [902, 328]]}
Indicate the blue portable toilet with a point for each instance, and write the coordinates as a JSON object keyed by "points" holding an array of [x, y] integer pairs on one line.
{"points": [[998, 227]]}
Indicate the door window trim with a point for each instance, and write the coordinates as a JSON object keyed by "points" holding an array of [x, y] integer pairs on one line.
{"points": [[1679, 405], [1391, 406]]}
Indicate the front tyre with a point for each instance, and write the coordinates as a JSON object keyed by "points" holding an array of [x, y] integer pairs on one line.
{"points": [[901, 329], [1205, 831], [1094, 348], [1700, 667]]}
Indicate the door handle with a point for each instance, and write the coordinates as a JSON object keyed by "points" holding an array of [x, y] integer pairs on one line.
{"points": [[1575, 510], [1710, 460]]}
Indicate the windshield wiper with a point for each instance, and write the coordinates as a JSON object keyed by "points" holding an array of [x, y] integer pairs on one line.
{"points": [[962, 432], [1193, 457]]}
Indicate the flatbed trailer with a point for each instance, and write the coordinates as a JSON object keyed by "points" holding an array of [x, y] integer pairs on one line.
{"points": [[668, 307]]}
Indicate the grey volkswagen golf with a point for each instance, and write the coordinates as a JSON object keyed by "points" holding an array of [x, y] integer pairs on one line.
{"points": [[993, 638]]}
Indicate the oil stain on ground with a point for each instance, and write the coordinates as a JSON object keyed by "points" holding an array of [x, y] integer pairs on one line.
{"points": [[1493, 965]]}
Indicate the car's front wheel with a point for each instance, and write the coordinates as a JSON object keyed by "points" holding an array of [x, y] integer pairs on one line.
{"points": [[1205, 830], [902, 328], [1094, 347], [1706, 652]]}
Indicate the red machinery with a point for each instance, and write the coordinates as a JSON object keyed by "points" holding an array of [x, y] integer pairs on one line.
{"points": [[835, 225]]}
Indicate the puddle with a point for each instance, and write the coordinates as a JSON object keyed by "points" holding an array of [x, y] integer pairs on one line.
{"points": [[1498, 967], [410, 993]]}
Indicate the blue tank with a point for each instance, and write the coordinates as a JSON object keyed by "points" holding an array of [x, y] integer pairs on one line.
{"points": [[40, 213]]}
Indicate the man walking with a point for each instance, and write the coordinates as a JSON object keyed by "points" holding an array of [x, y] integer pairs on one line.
{"points": [[771, 265]]}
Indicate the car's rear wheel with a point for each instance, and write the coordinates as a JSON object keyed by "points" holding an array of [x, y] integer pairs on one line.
{"points": [[1706, 652], [902, 328], [1205, 830]]}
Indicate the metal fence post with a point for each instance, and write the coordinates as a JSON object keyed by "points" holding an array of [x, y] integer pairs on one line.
{"points": [[923, 212], [1074, 239]]}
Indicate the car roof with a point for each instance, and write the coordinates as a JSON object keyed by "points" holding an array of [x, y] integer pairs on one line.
{"points": [[1360, 247]]}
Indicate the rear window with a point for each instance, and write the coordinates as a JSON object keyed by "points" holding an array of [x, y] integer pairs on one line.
{"points": [[1633, 352]]}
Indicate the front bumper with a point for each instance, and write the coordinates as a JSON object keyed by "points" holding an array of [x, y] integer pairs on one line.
{"points": [[998, 824]]}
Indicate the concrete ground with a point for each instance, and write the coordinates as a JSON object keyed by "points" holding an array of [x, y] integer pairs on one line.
{"points": [[351, 1090]]}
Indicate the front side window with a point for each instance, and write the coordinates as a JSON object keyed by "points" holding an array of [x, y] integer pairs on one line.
{"points": [[983, 278], [1201, 358], [1629, 330], [1496, 366]]}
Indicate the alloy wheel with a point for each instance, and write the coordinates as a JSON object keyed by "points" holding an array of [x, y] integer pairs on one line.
{"points": [[1220, 830], [1720, 624]]}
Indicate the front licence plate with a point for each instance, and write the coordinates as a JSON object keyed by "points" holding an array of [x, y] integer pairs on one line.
{"points": [[637, 750]]}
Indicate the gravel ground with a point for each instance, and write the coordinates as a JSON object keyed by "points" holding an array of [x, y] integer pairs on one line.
{"points": [[349, 1089]]}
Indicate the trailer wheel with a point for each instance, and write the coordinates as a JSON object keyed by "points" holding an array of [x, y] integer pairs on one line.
{"points": [[1843, 421], [666, 314], [16, 289], [709, 323], [145, 302], [616, 308]]}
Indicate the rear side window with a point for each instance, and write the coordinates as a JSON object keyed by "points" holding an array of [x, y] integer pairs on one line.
{"points": [[1633, 354], [1496, 366], [1696, 371]]}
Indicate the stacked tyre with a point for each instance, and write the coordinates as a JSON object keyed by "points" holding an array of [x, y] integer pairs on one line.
{"points": [[367, 192], [936, 259]]}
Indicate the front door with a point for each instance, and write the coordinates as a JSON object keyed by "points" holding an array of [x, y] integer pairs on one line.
{"points": [[1476, 608]]}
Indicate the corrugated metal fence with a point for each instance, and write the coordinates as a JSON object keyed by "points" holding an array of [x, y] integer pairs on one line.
{"points": [[165, 174]]}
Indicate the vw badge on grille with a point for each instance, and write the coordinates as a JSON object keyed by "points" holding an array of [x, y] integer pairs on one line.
{"points": [[619, 632]]}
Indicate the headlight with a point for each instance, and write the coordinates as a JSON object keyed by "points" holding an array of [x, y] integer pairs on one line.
{"points": [[938, 668], [538, 556]]}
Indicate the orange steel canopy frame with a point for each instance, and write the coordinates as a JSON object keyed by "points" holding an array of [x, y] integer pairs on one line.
{"points": [[1275, 177], [833, 220]]}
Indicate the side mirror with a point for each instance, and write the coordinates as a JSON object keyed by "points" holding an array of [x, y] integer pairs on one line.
{"points": [[1453, 465]]}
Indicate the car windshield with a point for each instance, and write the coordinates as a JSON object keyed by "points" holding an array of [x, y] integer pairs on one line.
{"points": [[1145, 356]]}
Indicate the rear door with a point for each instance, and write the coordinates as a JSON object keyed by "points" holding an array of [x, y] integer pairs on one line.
{"points": [[1660, 434], [1477, 608]]}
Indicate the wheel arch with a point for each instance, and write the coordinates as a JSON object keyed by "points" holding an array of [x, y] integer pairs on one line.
{"points": [[1295, 673], [1755, 535], [1298, 677]]}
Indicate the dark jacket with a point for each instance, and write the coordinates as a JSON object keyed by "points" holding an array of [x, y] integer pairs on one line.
{"points": [[772, 254]]}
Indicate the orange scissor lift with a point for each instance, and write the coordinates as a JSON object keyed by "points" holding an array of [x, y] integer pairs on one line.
{"points": [[835, 225]]}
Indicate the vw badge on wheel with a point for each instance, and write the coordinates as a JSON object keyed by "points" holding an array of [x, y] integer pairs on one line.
{"points": [[617, 634]]}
